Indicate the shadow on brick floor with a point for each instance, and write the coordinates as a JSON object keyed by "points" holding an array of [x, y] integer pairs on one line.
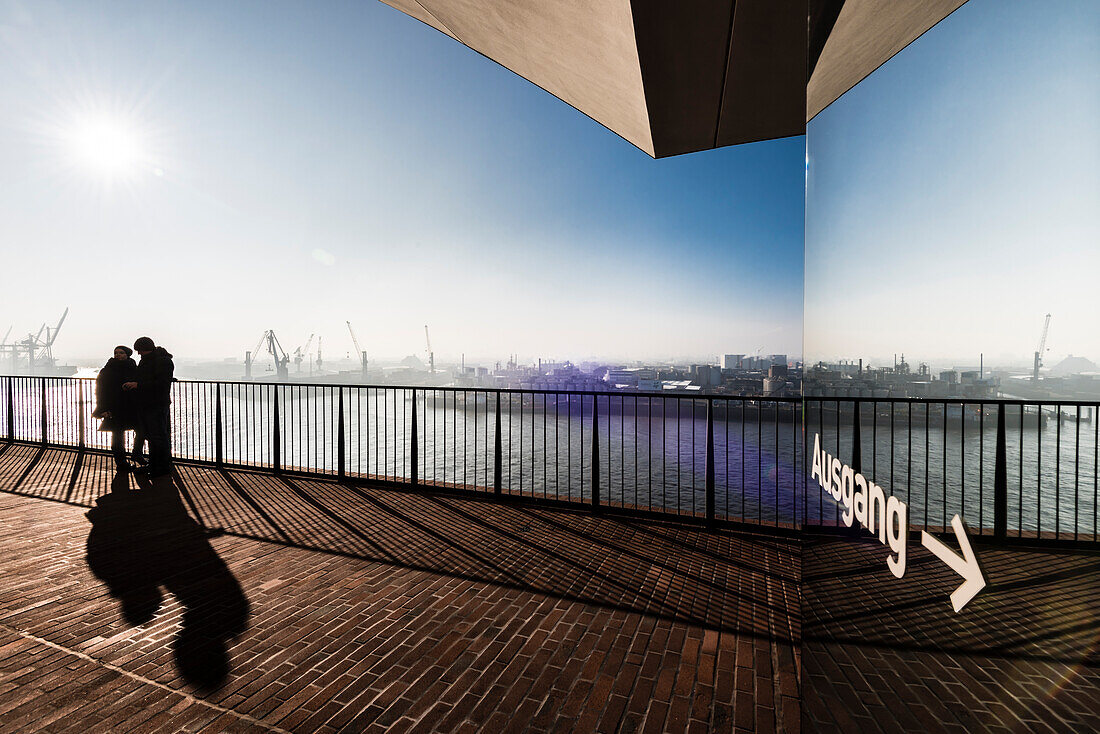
{"points": [[729, 581], [1024, 655], [141, 540], [378, 609]]}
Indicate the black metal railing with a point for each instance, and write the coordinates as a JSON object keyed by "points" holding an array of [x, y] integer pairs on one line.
{"points": [[1011, 469], [709, 458]]}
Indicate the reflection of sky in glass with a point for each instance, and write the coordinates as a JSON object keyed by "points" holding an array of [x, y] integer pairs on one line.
{"points": [[292, 167], [952, 195]]}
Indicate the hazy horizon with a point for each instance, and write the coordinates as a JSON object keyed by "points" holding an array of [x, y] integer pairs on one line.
{"points": [[346, 359]]}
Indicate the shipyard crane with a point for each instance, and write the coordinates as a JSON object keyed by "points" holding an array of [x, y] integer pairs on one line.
{"points": [[51, 336], [358, 349], [431, 354], [35, 342], [319, 361], [300, 354], [1040, 351], [250, 357], [32, 342], [275, 349], [36, 350]]}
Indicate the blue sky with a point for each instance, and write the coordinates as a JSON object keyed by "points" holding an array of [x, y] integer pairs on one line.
{"points": [[954, 194], [305, 164]]}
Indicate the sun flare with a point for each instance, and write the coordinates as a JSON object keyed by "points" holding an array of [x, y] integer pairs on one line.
{"points": [[108, 147]]}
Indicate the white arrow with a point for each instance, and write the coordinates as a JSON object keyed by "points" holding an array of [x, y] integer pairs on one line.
{"points": [[966, 565]]}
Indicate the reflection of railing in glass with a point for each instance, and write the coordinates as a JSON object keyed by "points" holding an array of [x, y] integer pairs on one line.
{"points": [[1007, 467], [718, 457]]}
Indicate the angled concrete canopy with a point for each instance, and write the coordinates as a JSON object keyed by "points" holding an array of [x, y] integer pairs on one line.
{"points": [[862, 35], [670, 77], [677, 77]]}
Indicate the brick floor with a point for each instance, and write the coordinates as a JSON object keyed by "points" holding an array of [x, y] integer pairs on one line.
{"points": [[882, 654], [237, 601]]}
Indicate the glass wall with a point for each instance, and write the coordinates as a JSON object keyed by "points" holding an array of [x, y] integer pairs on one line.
{"points": [[952, 259]]}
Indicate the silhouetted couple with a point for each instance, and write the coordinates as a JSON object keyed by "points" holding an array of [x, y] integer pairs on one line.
{"points": [[136, 397]]}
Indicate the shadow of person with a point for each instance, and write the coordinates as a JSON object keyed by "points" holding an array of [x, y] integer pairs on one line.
{"points": [[144, 540]]}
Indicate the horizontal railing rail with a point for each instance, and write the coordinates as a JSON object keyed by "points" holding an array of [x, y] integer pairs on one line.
{"points": [[1012, 469]]}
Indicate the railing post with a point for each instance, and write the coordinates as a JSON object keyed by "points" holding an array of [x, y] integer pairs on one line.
{"points": [[11, 410], [45, 423], [219, 429], [857, 449], [595, 452], [80, 414], [414, 453], [276, 449], [857, 442], [1000, 479], [341, 469], [710, 461], [497, 458]]}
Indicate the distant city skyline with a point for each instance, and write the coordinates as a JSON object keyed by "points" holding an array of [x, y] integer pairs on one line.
{"points": [[202, 172]]}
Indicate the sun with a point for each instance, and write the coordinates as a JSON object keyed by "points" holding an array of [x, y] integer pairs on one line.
{"points": [[108, 147]]}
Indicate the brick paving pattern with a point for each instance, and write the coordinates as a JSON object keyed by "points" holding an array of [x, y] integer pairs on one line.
{"points": [[237, 601], [882, 654]]}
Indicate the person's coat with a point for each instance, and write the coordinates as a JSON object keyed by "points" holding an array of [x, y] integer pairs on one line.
{"points": [[110, 397], [154, 379]]}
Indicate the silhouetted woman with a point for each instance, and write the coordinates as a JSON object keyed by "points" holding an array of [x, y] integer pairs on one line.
{"points": [[115, 406]]}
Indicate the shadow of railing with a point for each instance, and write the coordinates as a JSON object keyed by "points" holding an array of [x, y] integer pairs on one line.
{"points": [[1038, 605], [719, 580], [724, 580]]}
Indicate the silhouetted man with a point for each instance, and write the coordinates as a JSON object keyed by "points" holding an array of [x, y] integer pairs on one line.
{"points": [[154, 388]]}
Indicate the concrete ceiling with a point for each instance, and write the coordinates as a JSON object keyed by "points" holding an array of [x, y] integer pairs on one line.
{"points": [[863, 37], [669, 77], [678, 77]]}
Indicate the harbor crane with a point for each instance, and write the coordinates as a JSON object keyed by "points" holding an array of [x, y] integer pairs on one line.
{"points": [[431, 354], [51, 336], [300, 354], [1040, 351], [275, 349], [39, 349], [34, 349], [358, 349], [248, 357]]}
